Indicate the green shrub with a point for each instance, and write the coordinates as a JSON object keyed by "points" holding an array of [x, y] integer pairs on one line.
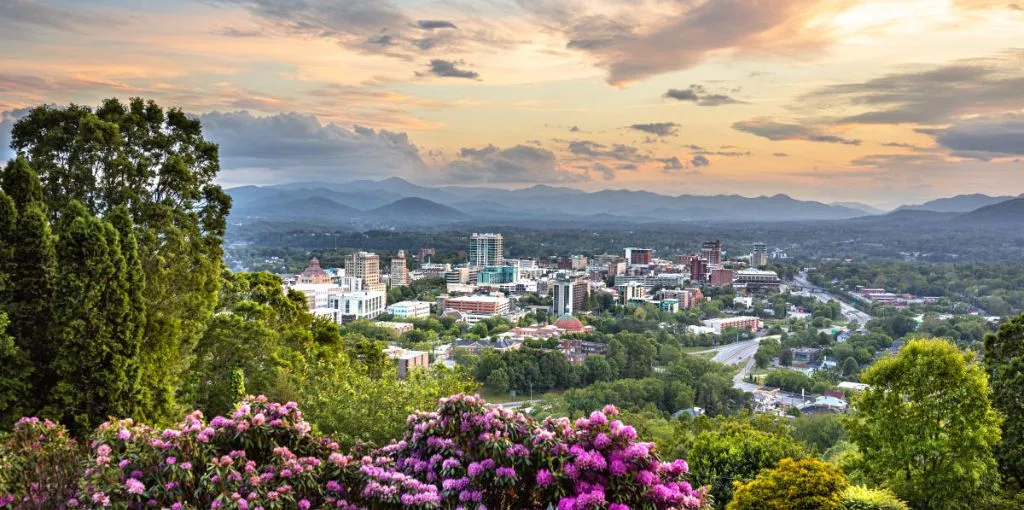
{"points": [[858, 497]]}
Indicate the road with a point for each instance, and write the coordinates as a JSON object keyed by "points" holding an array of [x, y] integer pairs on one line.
{"points": [[823, 295], [735, 354]]}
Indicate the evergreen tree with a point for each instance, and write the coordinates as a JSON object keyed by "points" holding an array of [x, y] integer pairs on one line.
{"points": [[96, 364], [1004, 362], [29, 269]]}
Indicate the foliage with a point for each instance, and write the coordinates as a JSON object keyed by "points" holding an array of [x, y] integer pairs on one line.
{"points": [[819, 432], [925, 427], [806, 484], [41, 465], [1004, 362], [789, 380], [157, 165], [858, 497], [266, 455], [735, 449]]}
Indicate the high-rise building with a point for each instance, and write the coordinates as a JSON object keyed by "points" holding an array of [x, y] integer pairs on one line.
{"points": [[712, 252], [569, 294], [639, 256], [399, 270], [365, 266], [699, 271], [721, 277], [486, 250], [759, 257], [425, 253]]}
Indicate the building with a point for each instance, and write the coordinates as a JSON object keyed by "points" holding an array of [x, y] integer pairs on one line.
{"points": [[631, 291], [399, 327], [639, 256], [742, 322], [461, 275], [721, 277], [344, 307], [759, 257], [365, 266], [399, 270], [482, 306], [406, 360], [755, 280], [570, 294], [314, 274], [687, 298], [410, 309], [669, 305], [699, 271], [711, 251], [426, 253], [573, 263], [495, 275], [486, 250]]}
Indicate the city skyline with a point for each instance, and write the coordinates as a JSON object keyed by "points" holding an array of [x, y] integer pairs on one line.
{"points": [[882, 102]]}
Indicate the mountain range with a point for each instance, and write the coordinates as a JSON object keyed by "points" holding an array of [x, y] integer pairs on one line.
{"points": [[395, 202]]}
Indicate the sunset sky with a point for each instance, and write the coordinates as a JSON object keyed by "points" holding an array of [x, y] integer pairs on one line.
{"points": [[878, 101]]}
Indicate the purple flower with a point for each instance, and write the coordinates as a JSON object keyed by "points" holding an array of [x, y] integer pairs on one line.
{"points": [[303, 504], [124, 435], [133, 486], [544, 478]]}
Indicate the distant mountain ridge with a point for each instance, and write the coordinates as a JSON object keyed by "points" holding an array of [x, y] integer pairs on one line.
{"points": [[958, 203], [395, 201]]}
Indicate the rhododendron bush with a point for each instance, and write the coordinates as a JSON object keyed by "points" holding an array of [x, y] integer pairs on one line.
{"points": [[464, 455]]}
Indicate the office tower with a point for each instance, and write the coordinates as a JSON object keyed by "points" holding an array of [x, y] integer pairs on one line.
{"points": [[759, 257], [486, 250], [712, 252], [365, 266], [639, 256], [570, 294], [399, 270]]}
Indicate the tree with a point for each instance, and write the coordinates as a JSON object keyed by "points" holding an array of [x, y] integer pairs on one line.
{"points": [[925, 426], [28, 264], [1004, 362], [819, 431], [735, 449], [786, 357], [95, 366], [806, 484], [850, 366], [157, 165], [858, 497], [497, 382]]}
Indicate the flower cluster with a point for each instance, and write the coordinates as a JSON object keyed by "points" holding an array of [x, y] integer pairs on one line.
{"points": [[465, 455]]}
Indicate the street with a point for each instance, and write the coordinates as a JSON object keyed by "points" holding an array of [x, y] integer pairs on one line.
{"points": [[822, 295]]}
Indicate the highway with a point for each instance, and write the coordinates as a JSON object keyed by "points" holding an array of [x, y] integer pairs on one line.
{"points": [[822, 295], [735, 354]]}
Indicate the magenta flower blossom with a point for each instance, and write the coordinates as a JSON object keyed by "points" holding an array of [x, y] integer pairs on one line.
{"points": [[133, 486]]}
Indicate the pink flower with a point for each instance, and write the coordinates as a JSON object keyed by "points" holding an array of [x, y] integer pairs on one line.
{"points": [[133, 486]]}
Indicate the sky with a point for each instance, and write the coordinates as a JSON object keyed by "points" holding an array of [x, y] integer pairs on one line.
{"points": [[878, 101]]}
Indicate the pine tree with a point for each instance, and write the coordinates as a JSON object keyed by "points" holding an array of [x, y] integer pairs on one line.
{"points": [[95, 366], [129, 333]]}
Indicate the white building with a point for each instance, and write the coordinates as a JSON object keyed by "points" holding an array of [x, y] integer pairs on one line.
{"points": [[345, 307], [410, 309], [748, 323]]}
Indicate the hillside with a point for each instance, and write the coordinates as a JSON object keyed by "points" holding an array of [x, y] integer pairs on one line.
{"points": [[958, 203], [1009, 213], [414, 209]]}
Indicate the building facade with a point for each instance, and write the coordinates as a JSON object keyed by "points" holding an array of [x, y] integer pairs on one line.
{"points": [[476, 305], [399, 270], [756, 280], [639, 256], [486, 250], [365, 266], [721, 277], [410, 309], [759, 257], [496, 275], [345, 307], [699, 271], [569, 294], [711, 251], [407, 361], [720, 325]]}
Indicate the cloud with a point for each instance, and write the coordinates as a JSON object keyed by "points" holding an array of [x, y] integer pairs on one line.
{"points": [[618, 152], [672, 163], [982, 137], [449, 69], [518, 164], [778, 131], [897, 160], [434, 24], [725, 154], [239, 33], [28, 12], [934, 95], [657, 128], [682, 94], [780, 154], [574, 129], [699, 161], [607, 172], [634, 40], [7, 121], [294, 147], [698, 95]]}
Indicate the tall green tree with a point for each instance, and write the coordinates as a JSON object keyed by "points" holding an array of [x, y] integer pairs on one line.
{"points": [[1004, 361], [95, 366], [926, 428], [157, 165], [27, 278]]}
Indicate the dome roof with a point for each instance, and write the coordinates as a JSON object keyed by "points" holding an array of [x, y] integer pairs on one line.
{"points": [[569, 323]]}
